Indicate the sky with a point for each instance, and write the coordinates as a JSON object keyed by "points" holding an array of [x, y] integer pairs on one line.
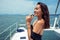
{"points": [[25, 6]]}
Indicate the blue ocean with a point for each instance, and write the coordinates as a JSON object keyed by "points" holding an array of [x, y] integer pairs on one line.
{"points": [[8, 24]]}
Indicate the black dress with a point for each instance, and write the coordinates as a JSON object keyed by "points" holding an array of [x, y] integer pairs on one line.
{"points": [[35, 36]]}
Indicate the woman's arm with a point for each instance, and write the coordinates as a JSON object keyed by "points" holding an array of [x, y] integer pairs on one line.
{"points": [[28, 21], [28, 30]]}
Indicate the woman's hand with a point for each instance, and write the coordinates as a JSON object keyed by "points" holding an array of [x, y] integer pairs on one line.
{"points": [[29, 19]]}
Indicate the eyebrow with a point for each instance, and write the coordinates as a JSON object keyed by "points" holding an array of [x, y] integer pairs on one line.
{"points": [[36, 8]]}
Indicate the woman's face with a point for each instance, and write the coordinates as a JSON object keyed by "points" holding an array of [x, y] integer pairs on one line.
{"points": [[37, 10]]}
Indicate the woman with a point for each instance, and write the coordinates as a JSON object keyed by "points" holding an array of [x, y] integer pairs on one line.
{"points": [[35, 31]]}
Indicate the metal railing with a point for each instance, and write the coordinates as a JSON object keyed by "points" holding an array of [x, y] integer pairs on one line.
{"points": [[10, 30]]}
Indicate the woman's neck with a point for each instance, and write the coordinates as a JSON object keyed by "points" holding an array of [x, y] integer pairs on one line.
{"points": [[39, 17]]}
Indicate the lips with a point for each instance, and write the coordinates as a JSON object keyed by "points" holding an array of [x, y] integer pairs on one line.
{"points": [[35, 13]]}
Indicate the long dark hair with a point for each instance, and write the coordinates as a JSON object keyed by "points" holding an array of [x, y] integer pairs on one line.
{"points": [[45, 14]]}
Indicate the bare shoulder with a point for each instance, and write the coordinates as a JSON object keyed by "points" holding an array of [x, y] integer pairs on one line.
{"points": [[41, 21]]}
